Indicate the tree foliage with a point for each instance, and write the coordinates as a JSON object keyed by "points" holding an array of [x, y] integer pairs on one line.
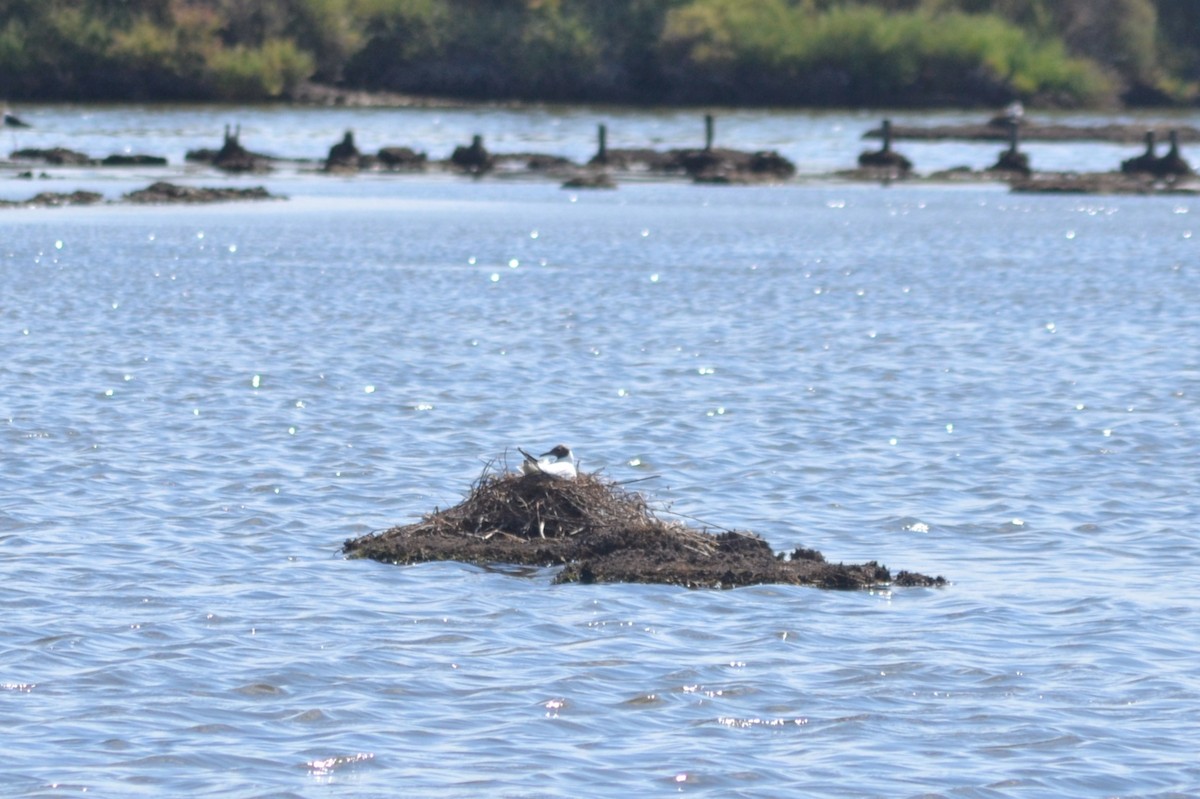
{"points": [[827, 52]]}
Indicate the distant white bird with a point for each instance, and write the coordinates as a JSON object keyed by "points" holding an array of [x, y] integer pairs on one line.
{"points": [[558, 462], [1012, 116]]}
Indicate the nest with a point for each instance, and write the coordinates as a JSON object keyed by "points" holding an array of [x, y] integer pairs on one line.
{"points": [[599, 531], [542, 506]]}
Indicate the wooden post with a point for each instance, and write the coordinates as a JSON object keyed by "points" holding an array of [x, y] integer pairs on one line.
{"points": [[708, 132], [602, 150], [887, 136]]}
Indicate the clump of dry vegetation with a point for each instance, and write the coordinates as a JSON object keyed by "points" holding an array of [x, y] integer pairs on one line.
{"points": [[541, 506]]}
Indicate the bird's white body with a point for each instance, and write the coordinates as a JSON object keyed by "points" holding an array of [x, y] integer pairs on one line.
{"points": [[558, 462]]}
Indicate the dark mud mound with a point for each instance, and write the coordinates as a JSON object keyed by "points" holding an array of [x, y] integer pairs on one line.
{"points": [[1102, 183], [232, 157], [58, 156], [135, 159], [163, 193], [600, 532], [50, 199], [710, 165], [1032, 131]]}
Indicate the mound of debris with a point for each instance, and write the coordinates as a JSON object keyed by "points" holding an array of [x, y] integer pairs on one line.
{"points": [[232, 157], [162, 193], [52, 199], [600, 532], [58, 156]]}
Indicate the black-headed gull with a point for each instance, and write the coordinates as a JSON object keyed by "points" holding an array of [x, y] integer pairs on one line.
{"points": [[558, 462]]}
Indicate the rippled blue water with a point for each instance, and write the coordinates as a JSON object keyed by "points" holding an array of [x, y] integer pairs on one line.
{"points": [[197, 406]]}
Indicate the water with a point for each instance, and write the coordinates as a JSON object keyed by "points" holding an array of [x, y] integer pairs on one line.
{"points": [[197, 406]]}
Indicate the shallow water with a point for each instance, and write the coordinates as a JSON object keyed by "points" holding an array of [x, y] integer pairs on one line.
{"points": [[197, 406]]}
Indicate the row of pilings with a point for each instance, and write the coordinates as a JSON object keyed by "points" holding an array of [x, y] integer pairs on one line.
{"points": [[712, 163], [708, 163]]}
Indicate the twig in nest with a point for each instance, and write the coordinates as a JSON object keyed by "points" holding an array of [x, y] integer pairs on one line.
{"points": [[638, 480], [702, 521], [708, 552]]}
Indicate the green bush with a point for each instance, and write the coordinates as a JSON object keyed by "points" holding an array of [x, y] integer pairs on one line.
{"points": [[858, 55], [258, 73], [146, 46], [14, 54]]}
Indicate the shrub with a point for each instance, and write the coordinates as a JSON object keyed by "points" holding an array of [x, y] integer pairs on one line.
{"points": [[257, 73], [856, 55]]}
